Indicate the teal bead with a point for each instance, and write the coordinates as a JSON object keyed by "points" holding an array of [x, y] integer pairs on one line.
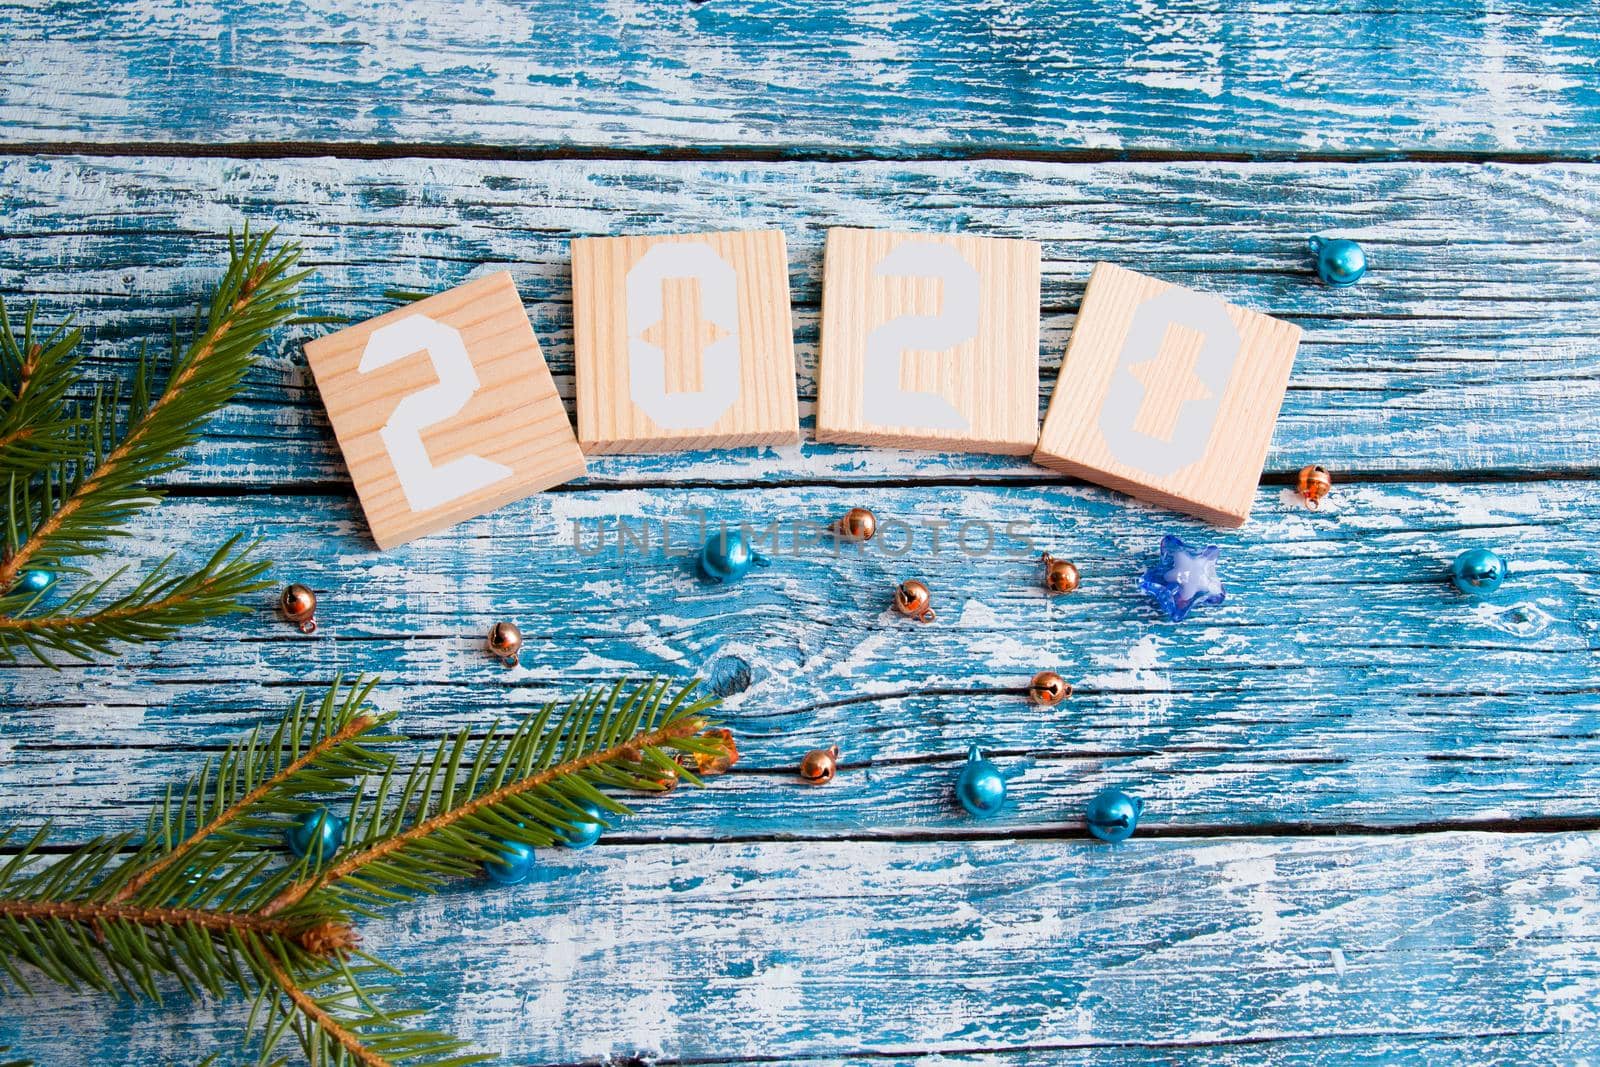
{"points": [[320, 831], [35, 582], [728, 556], [513, 866], [584, 832], [979, 787], [1113, 815], [1339, 262], [1478, 572]]}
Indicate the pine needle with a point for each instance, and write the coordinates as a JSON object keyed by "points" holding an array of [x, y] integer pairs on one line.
{"points": [[74, 472], [206, 901]]}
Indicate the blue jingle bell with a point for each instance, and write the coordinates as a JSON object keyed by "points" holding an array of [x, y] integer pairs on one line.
{"points": [[1113, 815], [513, 866], [584, 832], [1339, 262], [728, 556], [320, 831], [1478, 572], [35, 581], [979, 787]]}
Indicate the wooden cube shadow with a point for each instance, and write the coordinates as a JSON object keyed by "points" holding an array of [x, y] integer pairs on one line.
{"points": [[444, 410], [929, 341], [683, 342], [1168, 394]]}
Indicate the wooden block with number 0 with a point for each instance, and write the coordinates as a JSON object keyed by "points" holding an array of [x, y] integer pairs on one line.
{"points": [[1168, 394], [683, 341], [929, 341], [444, 409]]}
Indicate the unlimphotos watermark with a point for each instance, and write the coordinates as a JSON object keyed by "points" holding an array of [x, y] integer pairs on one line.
{"points": [[685, 533]]}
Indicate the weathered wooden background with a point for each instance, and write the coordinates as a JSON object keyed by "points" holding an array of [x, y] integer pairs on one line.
{"points": [[1373, 807]]}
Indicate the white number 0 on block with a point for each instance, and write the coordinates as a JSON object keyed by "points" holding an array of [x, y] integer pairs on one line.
{"points": [[425, 485], [647, 363], [883, 401]]}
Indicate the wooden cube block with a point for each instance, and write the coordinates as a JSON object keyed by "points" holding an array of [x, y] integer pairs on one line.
{"points": [[444, 409], [929, 341], [683, 342], [1168, 394]]}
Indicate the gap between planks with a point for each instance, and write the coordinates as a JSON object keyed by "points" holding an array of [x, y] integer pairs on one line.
{"points": [[1044, 480], [953, 153], [1064, 832]]}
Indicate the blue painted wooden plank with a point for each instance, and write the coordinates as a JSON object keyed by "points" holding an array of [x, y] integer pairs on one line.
{"points": [[1473, 327], [792, 76], [1318, 948], [1343, 681]]}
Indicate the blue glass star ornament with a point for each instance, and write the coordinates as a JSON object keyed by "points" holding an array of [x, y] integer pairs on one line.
{"points": [[1185, 578]]}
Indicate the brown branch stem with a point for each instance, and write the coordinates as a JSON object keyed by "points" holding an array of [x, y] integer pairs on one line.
{"points": [[40, 623], [297, 892], [354, 728], [325, 1022], [10, 568], [92, 912]]}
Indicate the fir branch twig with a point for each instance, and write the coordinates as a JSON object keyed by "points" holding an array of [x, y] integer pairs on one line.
{"points": [[73, 472], [296, 749], [356, 861], [205, 900], [322, 1020]]}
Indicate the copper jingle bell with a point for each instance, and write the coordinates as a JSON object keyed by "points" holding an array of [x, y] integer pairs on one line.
{"points": [[1060, 575], [858, 524], [820, 765], [1315, 483], [299, 605], [505, 642], [1048, 688], [912, 598]]}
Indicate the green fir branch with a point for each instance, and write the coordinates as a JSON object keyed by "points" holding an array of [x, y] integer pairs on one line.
{"points": [[207, 903], [240, 799], [39, 426], [525, 784], [157, 607], [75, 472]]}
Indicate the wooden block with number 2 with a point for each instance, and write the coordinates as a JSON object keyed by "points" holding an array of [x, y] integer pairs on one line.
{"points": [[444, 409], [929, 341], [1168, 394]]}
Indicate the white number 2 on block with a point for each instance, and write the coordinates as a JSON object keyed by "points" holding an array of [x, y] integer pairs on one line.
{"points": [[884, 403], [647, 363], [425, 485]]}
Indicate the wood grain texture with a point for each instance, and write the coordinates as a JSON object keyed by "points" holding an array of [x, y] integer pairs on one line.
{"points": [[508, 431], [939, 78], [1184, 421], [1373, 949], [750, 389], [1343, 687], [1343, 682], [963, 348], [1473, 325]]}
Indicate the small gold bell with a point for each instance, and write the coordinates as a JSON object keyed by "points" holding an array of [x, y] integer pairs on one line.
{"points": [[1060, 575], [505, 641], [1315, 482], [299, 605], [820, 765], [858, 524], [1048, 688], [912, 598]]}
